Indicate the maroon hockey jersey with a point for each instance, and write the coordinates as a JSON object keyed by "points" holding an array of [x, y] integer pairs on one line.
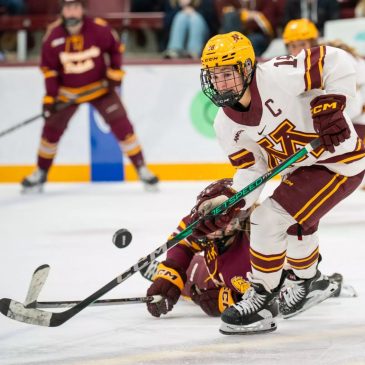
{"points": [[226, 268], [74, 64]]}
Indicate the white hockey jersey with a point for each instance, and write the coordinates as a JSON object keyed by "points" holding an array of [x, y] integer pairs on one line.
{"points": [[360, 90], [279, 120]]}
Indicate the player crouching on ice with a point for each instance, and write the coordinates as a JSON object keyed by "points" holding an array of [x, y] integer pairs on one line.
{"points": [[213, 270]]}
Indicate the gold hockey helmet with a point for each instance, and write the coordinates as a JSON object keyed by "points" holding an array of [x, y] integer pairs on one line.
{"points": [[227, 49], [300, 30], [230, 50]]}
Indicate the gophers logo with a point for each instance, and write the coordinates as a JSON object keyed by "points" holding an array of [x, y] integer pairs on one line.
{"points": [[236, 37], [240, 283]]}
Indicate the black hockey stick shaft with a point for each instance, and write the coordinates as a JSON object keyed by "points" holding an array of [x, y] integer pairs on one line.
{"points": [[17, 311], [59, 107], [22, 124]]}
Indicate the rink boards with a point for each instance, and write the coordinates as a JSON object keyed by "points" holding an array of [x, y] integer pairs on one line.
{"points": [[172, 118]]}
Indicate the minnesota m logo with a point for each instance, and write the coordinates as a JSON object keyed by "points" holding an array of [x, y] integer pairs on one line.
{"points": [[284, 141]]}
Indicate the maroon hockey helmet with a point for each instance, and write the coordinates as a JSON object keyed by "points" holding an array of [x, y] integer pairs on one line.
{"points": [[219, 187], [215, 189]]}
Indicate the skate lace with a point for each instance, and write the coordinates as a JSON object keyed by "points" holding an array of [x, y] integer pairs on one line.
{"points": [[292, 294], [251, 302]]}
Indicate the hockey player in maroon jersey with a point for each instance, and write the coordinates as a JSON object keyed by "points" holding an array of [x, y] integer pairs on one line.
{"points": [[267, 112], [216, 277], [81, 55], [212, 270]]}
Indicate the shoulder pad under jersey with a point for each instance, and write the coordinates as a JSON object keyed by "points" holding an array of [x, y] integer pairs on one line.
{"points": [[100, 21]]}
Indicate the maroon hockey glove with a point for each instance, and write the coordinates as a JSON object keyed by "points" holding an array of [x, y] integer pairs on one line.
{"points": [[214, 195], [49, 106], [114, 78], [168, 282], [329, 121], [112, 84], [213, 301]]}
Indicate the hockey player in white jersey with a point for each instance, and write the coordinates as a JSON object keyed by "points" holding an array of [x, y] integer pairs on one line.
{"points": [[300, 34], [268, 111]]}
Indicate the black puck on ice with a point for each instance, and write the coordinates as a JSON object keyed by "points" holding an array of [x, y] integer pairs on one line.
{"points": [[122, 238]]}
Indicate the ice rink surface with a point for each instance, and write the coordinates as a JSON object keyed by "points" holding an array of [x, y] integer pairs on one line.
{"points": [[70, 227]]}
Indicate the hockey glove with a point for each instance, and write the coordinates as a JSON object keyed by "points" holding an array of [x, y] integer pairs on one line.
{"points": [[211, 197], [329, 121], [49, 106], [168, 282], [114, 78], [213, 301]]}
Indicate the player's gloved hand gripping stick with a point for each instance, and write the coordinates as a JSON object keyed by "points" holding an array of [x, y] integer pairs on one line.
{"points": [[18, 311], [58, 107]]}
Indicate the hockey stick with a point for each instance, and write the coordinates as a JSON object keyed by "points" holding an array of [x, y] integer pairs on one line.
{"points": [[19, 312], [101, 302], [58, 107], [36, 284], [39, 278]]}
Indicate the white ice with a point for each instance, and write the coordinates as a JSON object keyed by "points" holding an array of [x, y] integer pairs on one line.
{"points": [[70, 227]]}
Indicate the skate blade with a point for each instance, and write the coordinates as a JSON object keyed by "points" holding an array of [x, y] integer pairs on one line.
{"points": [[322, 296], [151, 188], [348, 291], [38, 189], [266, 325]]}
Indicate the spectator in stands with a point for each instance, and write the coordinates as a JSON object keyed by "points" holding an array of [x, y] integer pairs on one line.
{"points": [[347, 8], [192, 23], [13, 7], [360, 9], [8, 38], [318, 11], [255, 19], [148, 6]]}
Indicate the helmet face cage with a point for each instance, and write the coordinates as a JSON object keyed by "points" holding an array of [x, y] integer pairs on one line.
{"points": [[238, 76], [71, 21]]}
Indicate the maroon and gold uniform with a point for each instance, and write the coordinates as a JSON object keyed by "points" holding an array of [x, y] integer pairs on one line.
{"points": [[211, 272], [268, 112], [225, 266], [278, 122], [84, 67]]}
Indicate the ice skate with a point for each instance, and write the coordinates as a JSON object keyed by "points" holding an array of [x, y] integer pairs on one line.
{"points": [[344, 290], [149, 180], [255, 313], [297, 295], [34, 182]]}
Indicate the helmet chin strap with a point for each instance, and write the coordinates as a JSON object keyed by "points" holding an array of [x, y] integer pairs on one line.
{"points": [[227, 98]]}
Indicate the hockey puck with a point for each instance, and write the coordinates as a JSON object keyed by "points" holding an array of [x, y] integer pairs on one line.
{"points": [[122, 238]]}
